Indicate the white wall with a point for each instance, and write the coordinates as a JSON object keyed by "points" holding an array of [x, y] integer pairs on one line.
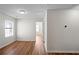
{"points": [[59, 37], [5, 41], [26, 29], [45, 29]]}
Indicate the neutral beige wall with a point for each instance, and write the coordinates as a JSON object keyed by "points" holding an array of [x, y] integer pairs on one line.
{"points": [[60, 38]]}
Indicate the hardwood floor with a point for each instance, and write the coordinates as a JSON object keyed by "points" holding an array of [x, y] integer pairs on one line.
{"points": [[18, 48], [39, 46], [29, 48], [25, 47]]}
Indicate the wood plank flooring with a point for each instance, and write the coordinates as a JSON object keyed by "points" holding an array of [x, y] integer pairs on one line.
{"points": [[18, 48], [39, 48], [29, 48], [25, 47]]}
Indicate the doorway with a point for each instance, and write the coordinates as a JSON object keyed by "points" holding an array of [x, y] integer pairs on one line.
{"points": [[39, 44], [39, 28]]}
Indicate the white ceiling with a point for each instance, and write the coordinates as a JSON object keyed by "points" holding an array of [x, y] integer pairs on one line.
{"points": [[34, 10]]}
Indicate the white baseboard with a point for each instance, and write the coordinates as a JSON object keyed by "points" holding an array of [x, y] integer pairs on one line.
{"points": [[62, 51], [7, 44], [10, 43], [25, 40]]}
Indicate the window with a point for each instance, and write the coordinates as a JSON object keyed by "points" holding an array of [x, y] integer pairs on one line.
{"points": [[8, 28]]}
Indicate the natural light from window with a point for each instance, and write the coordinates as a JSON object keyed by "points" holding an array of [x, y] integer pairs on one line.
{"points": [[8, 28]]}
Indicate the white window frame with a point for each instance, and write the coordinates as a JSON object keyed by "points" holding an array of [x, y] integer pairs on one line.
{"points": [[9, 26]]}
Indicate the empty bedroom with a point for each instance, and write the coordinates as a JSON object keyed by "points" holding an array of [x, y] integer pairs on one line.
{"points": [[39, 29]]}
